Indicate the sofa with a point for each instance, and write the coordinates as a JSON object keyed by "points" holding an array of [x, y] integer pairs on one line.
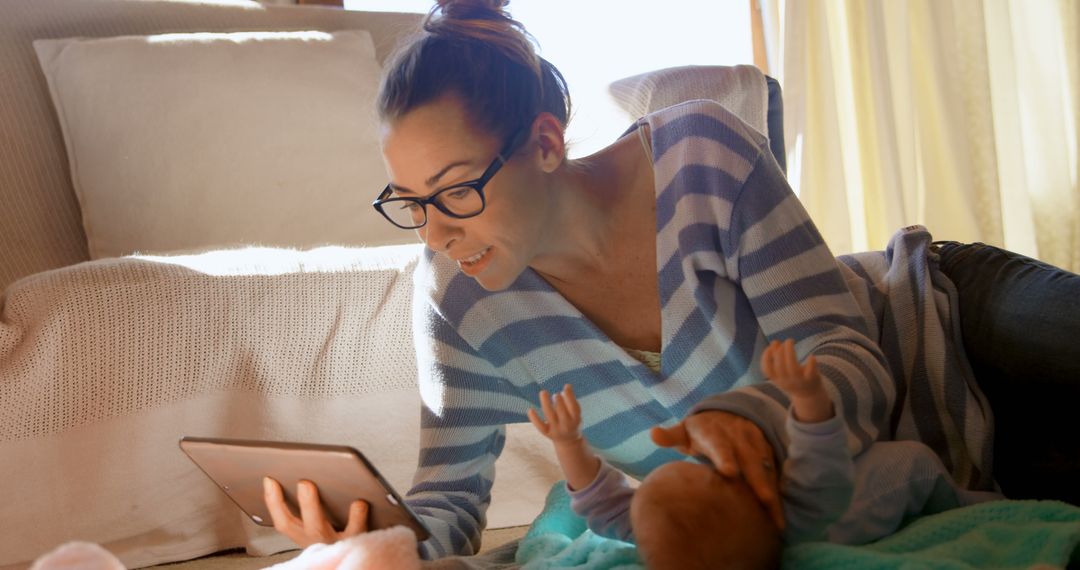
{"points": [[187, 248]]}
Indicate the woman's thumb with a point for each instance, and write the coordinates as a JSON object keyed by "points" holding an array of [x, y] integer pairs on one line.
{"points": [[674, 436]]}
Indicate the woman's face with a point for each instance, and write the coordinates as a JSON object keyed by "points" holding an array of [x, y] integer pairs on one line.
{"points": [[433, 147]]}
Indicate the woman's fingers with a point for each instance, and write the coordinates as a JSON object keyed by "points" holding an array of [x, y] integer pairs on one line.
{"points": [[674, 437], [312, 526], [311, 512], [284, 520], [761, 474], [358, 519], [711, 436], [734, 445], [699, 434]]}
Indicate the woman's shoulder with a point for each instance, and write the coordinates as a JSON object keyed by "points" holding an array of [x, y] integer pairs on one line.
{"points": [[703, 117], [703, 134]]}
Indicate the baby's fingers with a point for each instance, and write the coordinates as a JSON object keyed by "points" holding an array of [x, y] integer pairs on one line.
{"points": [[571, 401], [790, 361], [562, 410], [767, 367], [546, 406], [810, 369], [538, 423]]}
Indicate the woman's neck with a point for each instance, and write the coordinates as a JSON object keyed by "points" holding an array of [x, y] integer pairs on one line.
{"points": [[594, 210]]}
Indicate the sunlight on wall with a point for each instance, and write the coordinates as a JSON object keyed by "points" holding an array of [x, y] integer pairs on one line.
{"points": [[595, 42]]}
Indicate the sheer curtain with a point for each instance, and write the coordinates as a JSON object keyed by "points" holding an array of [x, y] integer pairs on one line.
{"points": [[961, 115]]}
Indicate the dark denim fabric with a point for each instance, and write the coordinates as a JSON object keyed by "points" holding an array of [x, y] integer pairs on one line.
{"points": [[1020, 319]]}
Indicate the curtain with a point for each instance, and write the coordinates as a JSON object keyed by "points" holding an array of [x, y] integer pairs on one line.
{"points": [[960, 115]]}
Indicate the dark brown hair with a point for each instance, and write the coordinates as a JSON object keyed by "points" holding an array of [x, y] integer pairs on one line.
{"points": [[474, 50]]}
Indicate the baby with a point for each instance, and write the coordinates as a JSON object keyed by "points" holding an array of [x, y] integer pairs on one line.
{"points": [[827, 495]]}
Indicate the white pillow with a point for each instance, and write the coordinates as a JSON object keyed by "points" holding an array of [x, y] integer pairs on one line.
{"points": [[182, 142]]}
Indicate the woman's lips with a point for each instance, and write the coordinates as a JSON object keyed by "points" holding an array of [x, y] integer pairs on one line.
{"points": [[474, 264]]}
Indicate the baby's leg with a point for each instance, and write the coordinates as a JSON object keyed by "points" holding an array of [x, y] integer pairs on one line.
{"points": [[687, 516], [894, 482]]}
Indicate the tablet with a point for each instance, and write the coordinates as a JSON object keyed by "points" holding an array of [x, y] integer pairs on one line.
{"points": [[341, 473]]}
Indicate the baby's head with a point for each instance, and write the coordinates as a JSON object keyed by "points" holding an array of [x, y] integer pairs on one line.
{"points": [[688, 516]]}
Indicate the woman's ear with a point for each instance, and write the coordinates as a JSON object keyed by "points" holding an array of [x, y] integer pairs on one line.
{"points": [[548, 133]]}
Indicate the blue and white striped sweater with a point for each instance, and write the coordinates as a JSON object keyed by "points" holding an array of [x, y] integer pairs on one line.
{"points": [[739, 263]]}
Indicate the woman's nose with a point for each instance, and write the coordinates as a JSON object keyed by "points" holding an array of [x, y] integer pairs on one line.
{"points": [[440, 231]]}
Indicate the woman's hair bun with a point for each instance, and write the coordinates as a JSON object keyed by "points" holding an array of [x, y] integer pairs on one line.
{"points": [[456, 17], [471, 9], [474, 50], [484, 21]]}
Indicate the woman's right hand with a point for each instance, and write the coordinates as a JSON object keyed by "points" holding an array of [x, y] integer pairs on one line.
{"points": [[312, 526], [735, 446]]}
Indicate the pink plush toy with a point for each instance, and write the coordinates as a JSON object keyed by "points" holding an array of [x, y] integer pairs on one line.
{"points": [[389, 548], [377, 550], [78, 555]]}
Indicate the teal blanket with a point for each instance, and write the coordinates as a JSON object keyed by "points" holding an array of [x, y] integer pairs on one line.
{"points": [[998, 534]]}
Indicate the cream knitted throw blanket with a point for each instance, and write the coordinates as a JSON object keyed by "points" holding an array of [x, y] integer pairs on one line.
{"points": [[118, 336]]}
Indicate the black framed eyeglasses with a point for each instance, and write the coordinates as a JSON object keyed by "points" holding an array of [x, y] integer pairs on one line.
{"points": [[462, 200]]}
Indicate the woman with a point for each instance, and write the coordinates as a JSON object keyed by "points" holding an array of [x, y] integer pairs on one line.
{"points": [[649, 275]]}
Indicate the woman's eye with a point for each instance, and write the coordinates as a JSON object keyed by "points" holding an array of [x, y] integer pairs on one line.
{"points": [[460, 193], [410, 206]]}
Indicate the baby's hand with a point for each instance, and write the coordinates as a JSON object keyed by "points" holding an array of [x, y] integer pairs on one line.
{"points": [[563, 416], [778, 362], [802, 383]]}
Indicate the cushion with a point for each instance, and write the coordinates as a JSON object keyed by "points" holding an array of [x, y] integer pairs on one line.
{"points": [[40, 221], [742, 89], [183, 142]]}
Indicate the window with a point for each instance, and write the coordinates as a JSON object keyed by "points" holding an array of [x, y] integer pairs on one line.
{"points": [[594, 42]]}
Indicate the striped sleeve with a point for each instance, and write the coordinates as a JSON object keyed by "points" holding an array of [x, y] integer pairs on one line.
{"points": [[818, 479], [605, 504], [462, 433], [775, 254]]}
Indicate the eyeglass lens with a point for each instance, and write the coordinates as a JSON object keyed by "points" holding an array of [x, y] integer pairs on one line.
{"points": [[461, 201]]}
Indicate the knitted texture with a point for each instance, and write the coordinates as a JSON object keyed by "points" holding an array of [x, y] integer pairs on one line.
{"points": [[114, 337], [560, 539], [1000, 534]]}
